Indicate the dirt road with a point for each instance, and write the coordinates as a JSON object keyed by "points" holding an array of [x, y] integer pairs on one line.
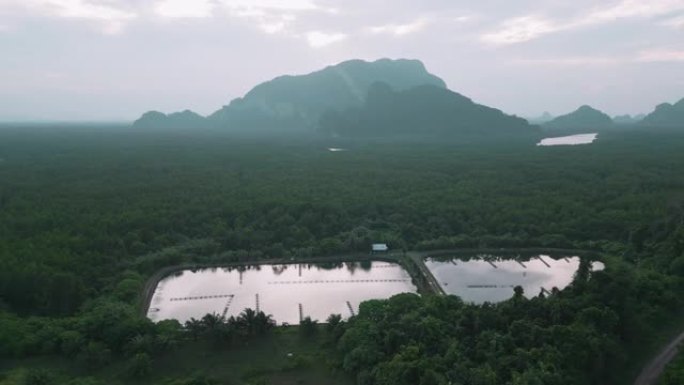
{"points": [[649, 375]]}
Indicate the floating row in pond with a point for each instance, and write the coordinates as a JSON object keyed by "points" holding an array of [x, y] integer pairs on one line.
{"points": [[487, 279], [279, 291], [337, 281], [201, 297]]}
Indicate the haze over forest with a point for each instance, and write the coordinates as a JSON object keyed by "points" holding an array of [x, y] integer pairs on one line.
{"points": [[270, 192], [95, 60]]}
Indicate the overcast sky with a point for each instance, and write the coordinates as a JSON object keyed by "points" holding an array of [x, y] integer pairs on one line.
{"points": [[115, 59]]}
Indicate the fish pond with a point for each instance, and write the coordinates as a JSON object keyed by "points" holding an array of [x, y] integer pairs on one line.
{"points": [[571, 140], [288, 292], [488, 278]]}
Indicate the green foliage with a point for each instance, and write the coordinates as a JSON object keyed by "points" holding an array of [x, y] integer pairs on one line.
{"points": [[576, 336], [38, 377], [674, 373], [308, 327], [139, 366], [86, 216]]}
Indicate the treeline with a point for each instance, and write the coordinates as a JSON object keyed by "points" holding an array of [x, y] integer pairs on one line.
{"points": [[582, 335], [80, 208], [109, 331]]}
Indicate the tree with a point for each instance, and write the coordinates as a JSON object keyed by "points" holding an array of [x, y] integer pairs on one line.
{"points": [[94, 355], [308, 327], [195, 327], [38, 377], [139, 366]]}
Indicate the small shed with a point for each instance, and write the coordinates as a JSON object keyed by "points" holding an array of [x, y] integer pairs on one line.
{"points": [[379, 247]]}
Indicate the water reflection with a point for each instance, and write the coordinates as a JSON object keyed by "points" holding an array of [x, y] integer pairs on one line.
{"points": [[321, 290], [568, 140], [487, 278]]}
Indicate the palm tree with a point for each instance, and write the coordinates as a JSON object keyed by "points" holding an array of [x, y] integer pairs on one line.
{"points": [[195, 327], [211, 321], [263, 322], [247, 320]]}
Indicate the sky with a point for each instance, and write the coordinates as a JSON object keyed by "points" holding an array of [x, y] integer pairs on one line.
{"points": [[89, 60]]}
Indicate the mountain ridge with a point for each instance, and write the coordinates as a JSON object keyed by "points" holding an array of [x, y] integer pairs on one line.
{"points": [[583, 118], [296, 102], [422, 110], [666, 115]]}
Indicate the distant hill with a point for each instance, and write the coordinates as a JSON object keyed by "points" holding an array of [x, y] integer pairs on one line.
{"points": [[297, 102], [584, 118], [422, 110], [543, 118], [628, 119], [666, 115], [185, 119]]}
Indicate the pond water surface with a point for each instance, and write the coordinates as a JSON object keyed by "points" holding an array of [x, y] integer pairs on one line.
{"points": [[478, 281], [284, 291], [569, 140]]}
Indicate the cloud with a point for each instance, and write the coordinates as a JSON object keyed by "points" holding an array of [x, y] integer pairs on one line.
{"points": [[184, 8], [675, 22], [112, 16], [318, 39], [464, 18], [633, 8], [111, 19], [572, 61], [661, 55], [270, 16], [521, 29], [400, 29], [530, 27], [260, 6]]}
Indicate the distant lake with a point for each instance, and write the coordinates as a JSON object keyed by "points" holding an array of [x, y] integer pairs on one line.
{"points": [[569, 140], [333, 149], [479, 281], [278, 290]]}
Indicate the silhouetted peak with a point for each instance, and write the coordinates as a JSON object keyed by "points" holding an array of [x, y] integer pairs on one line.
{"points": [[666, 115], [183, 119], [587, 109], [583, 118]]}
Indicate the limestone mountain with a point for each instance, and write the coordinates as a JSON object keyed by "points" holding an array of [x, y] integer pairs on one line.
{"points": [[184, 119], [666, 115], [423, 110], [297, 102], [584, 118]]}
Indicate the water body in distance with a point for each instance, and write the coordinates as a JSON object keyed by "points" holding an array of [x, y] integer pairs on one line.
{"points": [[569, 140], [477, 280], [278, 290]]}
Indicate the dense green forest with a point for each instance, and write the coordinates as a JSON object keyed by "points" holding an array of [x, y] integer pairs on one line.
{"points": [[87, 214], [674, 374]]}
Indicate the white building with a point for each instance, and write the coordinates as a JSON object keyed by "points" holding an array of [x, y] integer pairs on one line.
{"points": [[379, 247]]}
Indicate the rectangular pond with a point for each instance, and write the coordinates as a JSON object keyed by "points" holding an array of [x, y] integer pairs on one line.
{"points": [[487, 278], [571, 140], [284, 291]]}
